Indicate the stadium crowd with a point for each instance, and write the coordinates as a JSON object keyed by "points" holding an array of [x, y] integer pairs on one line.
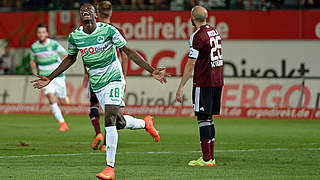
{"points": [[10, 5]]}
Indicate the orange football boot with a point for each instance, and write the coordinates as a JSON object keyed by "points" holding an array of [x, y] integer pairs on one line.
{"points": [[104, 148], [107, 173], [150, 128], [97, 141], [63, 126]]}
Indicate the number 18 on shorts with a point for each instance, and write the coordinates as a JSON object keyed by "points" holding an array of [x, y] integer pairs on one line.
{"points": [[112, 94]]}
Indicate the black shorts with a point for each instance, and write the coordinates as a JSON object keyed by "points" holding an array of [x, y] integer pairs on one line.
{"points": [[92, 96], [207, 100]]}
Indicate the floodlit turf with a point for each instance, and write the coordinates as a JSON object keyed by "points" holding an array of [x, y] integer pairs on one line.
{"points": [[32, 148]]}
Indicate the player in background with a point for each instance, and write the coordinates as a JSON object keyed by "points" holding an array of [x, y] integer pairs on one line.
{"points": [[205, 59], [104, 12], [96, 43], [44, 59]]}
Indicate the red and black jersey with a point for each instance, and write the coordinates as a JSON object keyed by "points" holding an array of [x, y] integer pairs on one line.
{"points": [[205, 47], [120, 31], [122, 34]]}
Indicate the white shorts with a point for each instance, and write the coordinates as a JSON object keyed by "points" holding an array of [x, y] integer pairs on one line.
{"points": [[57, 87], [111, 94]]}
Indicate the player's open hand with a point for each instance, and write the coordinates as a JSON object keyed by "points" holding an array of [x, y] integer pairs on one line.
{"points": [[160, 75], [41, 82], [34, 72], [179, 95]]}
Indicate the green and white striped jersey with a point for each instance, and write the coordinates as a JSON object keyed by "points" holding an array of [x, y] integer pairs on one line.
{"points": [[99, 55], [46, 56]]}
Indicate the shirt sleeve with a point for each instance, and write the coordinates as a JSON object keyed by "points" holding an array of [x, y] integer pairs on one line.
{"points": [[195, 46], [122, 33], [117, 39], [32, 55], [60, 50], [72, 48]]}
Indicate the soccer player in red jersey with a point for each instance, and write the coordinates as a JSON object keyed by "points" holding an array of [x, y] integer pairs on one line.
{"points": [[205, 59], [104, 12]]}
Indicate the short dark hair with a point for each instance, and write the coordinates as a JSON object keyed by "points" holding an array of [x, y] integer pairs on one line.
{"points": [[42, 26], [87, 3]]}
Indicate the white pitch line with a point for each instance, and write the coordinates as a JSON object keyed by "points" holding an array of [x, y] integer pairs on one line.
{"points": [[46, 155], [161, 152], [275, 149]]}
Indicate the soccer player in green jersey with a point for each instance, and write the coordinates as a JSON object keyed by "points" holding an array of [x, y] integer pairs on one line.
{"points": [[97, 43], [44, 59], [104, 12]]}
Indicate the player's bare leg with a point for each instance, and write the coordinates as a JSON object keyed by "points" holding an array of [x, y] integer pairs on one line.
{"points": [[111, 113], [130, 122], [57, 112], [64, 101]]}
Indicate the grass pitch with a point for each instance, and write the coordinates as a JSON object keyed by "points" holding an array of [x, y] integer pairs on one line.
{"points": [[31, 147]]}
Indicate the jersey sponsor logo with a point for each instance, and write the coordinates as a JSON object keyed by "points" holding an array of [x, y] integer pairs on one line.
{"points": [[91, 50], [86, 51]]}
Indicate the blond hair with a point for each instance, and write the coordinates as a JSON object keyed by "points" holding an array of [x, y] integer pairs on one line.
{"points": [[104, 9]]}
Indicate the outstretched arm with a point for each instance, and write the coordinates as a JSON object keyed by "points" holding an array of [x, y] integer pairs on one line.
{"points": [[158, 73], [33, 65], [65, 64], [137, 59], [185, 77], [85, 79], [124, 63]]}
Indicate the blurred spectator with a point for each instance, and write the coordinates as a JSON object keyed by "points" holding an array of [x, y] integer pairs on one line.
{"points": [[161, 4], [19, 4], [189, 4], [237, 4], [6, 5], [265, 4], [177, 5], [256, 4], [6, 61], [66, 4], [139, 4], [309, 3], [121, 4], [291, 4], [211, 4]]}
